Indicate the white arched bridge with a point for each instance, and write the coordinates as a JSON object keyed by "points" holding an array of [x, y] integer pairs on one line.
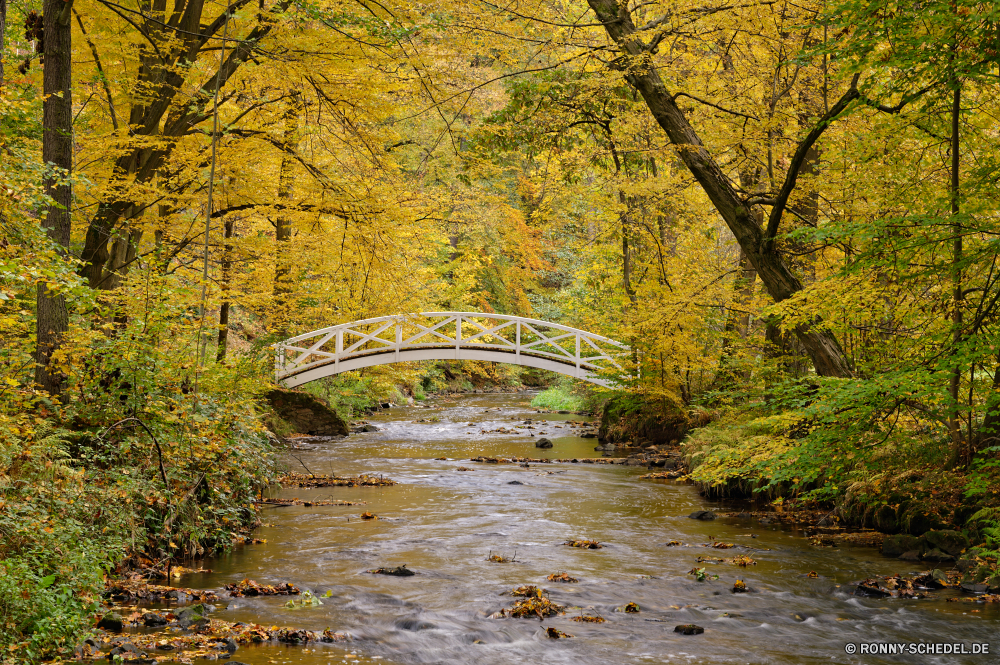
{"points": [[448, 336]]}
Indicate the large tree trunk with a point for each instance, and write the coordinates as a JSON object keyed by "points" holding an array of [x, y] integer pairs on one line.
{"points": [[827, 356], [283, 226], [57, 152]]}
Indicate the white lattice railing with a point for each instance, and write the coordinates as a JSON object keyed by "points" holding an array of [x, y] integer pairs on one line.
{"points": [[470, 335]]}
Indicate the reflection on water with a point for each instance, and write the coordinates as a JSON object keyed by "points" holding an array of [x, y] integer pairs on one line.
{"points": [[443, 523]]}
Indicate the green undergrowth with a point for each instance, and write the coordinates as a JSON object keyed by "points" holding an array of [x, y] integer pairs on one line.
{"points": [[140, 455], [560, 397], [899, 481]]}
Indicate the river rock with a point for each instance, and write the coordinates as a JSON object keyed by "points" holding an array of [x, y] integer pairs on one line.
{"points": [[543, 443], [965, 565], [689, 629], [306, 413], [948, 541], [111, 621], [912, 555], [515, 482], [588, 435], [192, 617], [228, 645], [932, 580], [937, 555], [894, 546], [369, 428], [871, 590], [624, 419], [702, 515], [151, 619], [975, 588]]}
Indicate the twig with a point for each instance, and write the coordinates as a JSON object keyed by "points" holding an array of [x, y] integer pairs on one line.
{"points": [[302, 463], [159, 451]]}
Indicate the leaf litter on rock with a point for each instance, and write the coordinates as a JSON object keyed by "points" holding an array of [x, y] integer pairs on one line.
{"points": [[249, 588]]}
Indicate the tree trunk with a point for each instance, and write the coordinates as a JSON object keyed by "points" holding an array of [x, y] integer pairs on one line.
{"points": [[827, 356], [57, 153], [3, 31], [227, 268], [954, 420], [989, 431], [283, 226]]}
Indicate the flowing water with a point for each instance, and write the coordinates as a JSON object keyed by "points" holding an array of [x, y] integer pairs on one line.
{"points": [[443, 523]]}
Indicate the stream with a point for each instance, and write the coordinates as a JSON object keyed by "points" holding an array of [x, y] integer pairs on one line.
{"points": [[443, 523]]}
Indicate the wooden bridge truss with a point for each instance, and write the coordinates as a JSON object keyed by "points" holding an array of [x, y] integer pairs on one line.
{"points": [[448, 336]]}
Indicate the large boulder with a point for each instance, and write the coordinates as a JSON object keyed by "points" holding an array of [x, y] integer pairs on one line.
{"points": [[543, 443], [895, 546], [628, 418], [951, 542], [306, 413]]}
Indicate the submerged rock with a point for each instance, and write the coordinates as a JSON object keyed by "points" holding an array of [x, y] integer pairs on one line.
{"points": [[543, 443], [702, 515], [689, 629], [398, 571]]}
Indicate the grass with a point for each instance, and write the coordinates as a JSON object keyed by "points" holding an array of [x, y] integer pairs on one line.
{"points": [[559, 397]]}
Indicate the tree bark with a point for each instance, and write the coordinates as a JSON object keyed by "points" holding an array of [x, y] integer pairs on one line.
{"points": [[954, 419], [283, 226], [227, 269], [3, 31], [57, 153], [822, 346]]}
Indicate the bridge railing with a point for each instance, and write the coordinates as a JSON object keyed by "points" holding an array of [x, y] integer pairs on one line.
{"points": [[445, 330]]}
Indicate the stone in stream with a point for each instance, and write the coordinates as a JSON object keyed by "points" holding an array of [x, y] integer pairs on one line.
{"points": [[543, 443], [912, 555], [937, 555], [398, 571], [895, 546], [870, 589], [948, 541], [151, 619], [192, 617], [228, 645], [689, 629], [369, 428], [112, 621], [702, 515], [515, 482]]}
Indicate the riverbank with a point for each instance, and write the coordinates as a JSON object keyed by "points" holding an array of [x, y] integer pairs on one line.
{"points": [[89, 486], [900, 485]]}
